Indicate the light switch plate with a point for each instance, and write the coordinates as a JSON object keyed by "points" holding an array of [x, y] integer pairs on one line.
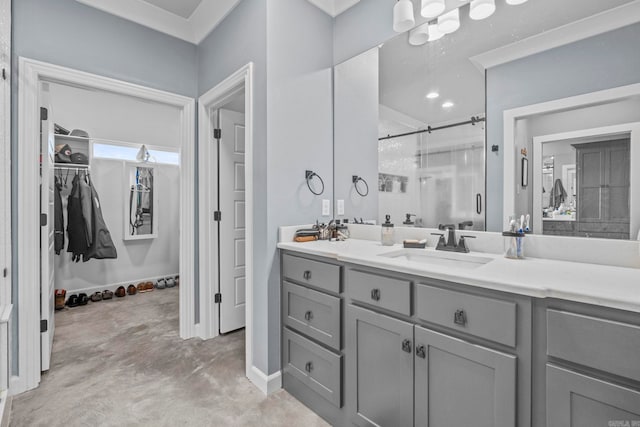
{"points": [[340, 206], [326, 207]]}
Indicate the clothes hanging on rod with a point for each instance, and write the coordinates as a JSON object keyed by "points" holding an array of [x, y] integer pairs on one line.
{"points": [[102, 246], [58, 217]]}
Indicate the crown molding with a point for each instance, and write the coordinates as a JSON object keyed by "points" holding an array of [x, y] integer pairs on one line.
{"points": [[193, 30], [599, 23], [333, 7]]}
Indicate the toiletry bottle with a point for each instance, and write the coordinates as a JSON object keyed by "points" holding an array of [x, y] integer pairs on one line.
{"points": [[387, 232]]}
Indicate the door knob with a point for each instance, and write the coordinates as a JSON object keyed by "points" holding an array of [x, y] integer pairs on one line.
{"points": [[308, 315], [308, 367], [460, 318], [421, 352], [307, 275], [375, 294], [406, 346]]}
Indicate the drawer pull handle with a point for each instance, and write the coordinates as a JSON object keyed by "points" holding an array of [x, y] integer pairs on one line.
{"points": [[406, 346], [460, 318], [375, 294], [308, 367], [308, 315], [421, 352], [307, 275]]}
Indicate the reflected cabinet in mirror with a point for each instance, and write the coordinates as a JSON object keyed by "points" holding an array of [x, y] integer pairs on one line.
{"points": [[456, 130], [141, 202]]}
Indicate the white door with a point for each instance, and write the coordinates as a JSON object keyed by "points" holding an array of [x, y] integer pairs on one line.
{"points": [[47, 232], [232, 223]]}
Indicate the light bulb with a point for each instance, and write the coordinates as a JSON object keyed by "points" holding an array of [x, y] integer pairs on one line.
{"points": [[435, 33], [419, 35], [449, 22], [515, 2], [432, 95], [403, 16], [432, 8], [481, 9]]}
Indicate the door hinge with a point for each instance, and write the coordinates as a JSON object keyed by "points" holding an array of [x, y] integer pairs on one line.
{"points": [[217, 133], [43, 219], [44, 325], [217, 298], [217, 216], [4, 74], [5, 272], [44, 113]]}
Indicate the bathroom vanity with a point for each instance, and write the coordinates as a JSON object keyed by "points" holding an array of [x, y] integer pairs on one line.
{"points": [[386, 336]]}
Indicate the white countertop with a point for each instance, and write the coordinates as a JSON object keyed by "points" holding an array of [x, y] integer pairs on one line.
{"points": [[608, 286]]}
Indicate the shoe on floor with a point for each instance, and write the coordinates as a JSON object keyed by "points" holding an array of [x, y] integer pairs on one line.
{"points": [[72, 301], [60, 297], [121, 292], [107, 294], [161, 284], [97, 296], [148, 286], [170, 282], [177, 280], [131, 290], [83, 299]]}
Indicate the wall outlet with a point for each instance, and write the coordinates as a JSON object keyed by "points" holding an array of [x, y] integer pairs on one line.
{"points": [[326, 207], [340, 206]]}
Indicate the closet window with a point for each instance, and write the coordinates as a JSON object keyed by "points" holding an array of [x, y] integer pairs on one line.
{"points": [[126, 152]]}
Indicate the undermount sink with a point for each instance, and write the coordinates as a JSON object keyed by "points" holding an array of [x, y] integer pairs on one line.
{"points": [[443, 259]]}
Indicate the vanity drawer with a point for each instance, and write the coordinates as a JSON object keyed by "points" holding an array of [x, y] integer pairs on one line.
{"points": [[315, 273], [488, 318], [379, 291], [313, 313], [602, 344], [318, 368]]}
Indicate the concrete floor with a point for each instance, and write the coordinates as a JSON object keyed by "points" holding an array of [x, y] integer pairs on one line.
{"points": [[122, 363]]}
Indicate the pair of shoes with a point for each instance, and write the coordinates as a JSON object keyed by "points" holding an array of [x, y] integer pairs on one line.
{"points": [[60, 298], [121, 292], [132, 290], [170, 282], [177, 280], [76, 300], [161, 284], [145, 287], [97, 296], [107, 294], [83, 299]]}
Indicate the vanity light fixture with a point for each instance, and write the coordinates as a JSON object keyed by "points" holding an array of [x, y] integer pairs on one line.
{"points": [[448, 104], [515, 2], [481, 9], [403, 16], [449, 22], [432, 8], [419, 35], [432, 95], [435, 33]]}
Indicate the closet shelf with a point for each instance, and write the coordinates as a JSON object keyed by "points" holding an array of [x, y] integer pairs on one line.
{"points": [[71, 166]]}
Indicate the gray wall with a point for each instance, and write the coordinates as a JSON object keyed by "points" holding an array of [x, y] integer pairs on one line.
{"points": [[601, 62], [239, 39], [67, 33], [300, 129]]}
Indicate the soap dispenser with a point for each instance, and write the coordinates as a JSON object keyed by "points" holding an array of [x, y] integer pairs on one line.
{"points": [[387, 232]]}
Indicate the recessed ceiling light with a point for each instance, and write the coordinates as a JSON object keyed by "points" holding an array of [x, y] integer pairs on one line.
{"points": [[447, 104], [432, 95]]}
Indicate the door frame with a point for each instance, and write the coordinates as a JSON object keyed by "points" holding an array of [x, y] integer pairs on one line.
{"points": [[209, 311], [31, 74]]}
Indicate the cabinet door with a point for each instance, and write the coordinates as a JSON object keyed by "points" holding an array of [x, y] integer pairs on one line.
{"points": [[379, 369], [462, 384], [576, 400]]}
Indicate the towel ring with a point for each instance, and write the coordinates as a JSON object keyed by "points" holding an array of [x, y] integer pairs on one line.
{"points": [[309, 175], [355, 179]]}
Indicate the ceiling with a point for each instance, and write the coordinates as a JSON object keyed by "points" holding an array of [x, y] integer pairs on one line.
{"points": [[183, 8], [445, 66], [334, 7], [189, 20]]}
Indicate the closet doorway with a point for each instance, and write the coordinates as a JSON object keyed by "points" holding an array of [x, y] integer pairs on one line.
{"points": [[42, 87], [225, 156]]}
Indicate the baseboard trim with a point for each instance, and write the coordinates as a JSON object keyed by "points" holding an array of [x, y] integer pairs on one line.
{"points": [[5, 408], [266, 384], [114, 286]]}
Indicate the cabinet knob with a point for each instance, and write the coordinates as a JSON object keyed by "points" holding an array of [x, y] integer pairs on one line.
{"points": [[421, 352], [307, 275], [375, 294], [406, 346], [308, 315], [308, 367], [460, 318]]}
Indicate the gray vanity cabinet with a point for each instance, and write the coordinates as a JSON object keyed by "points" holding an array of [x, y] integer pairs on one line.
{"points": [[462, 384], [576, 400], [379, 369]]}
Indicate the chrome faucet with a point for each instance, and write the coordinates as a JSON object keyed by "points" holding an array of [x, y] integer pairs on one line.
{"points": [[450, 243]]}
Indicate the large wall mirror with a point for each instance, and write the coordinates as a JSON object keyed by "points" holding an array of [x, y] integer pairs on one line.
{"points": [[423, 125], [141, 202]]}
